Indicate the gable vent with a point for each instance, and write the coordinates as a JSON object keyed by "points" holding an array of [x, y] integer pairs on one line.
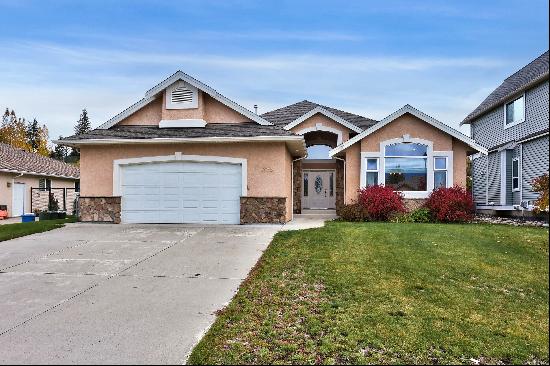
{"points": [[182, 95]]}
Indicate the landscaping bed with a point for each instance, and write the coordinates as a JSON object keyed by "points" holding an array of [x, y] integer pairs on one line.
{"points": [[390, 293], [12, 231]]}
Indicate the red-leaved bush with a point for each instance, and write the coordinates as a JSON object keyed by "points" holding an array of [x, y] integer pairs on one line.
{"points": [[382, 203], [451, 204]]}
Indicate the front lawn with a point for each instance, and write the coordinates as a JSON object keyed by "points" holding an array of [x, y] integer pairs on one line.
{"points": [[390, 293], [12, 231]]}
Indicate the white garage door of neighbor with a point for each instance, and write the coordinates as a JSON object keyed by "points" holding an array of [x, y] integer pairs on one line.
{"points": [[181, 192]]}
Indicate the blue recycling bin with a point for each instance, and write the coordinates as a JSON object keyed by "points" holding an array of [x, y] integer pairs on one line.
{"points": [[29, 217]]}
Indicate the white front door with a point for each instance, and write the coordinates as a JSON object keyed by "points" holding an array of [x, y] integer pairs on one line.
{"points": [[181, 192], [319, 189], [18, 199]]}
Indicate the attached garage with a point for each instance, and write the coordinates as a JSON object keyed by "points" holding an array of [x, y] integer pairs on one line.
{"points": [[203, 190]]}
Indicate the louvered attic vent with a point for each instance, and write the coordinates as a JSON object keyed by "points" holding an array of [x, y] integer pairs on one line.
{"points": [[182, 95]]}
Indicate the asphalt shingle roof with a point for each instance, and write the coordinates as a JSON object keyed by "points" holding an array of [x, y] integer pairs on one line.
{"points": [[210, 130], [513, 84], [18, 160], [285, 115]]}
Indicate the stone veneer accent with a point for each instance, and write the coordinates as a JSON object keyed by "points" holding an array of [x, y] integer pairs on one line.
{"points": [[99, 209], [264, 210], [339, 185], [297, 186], [412, 204]]}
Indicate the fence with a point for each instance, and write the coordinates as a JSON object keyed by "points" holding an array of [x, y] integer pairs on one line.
{"points": [[66, 197]]}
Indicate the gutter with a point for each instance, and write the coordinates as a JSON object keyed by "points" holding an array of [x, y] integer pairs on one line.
{"points": [[34, 173]]}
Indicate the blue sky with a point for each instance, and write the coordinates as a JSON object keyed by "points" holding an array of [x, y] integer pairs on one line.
{"points": [[366, 57]]}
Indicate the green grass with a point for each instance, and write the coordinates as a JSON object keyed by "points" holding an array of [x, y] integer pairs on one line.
{"points": [[390, 293], [12, 231]]}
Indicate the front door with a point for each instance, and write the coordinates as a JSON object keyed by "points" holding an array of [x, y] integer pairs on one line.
{"points": [[319, 191], [18, 199]]}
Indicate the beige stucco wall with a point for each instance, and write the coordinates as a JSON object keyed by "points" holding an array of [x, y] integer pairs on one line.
{"points": [[208, 109], [30, 181], [269, 164], [326, 122], [416, 128]]}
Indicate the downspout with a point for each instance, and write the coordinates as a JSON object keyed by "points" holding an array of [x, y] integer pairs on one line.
{"points": [[343, 160], [292, 178]]}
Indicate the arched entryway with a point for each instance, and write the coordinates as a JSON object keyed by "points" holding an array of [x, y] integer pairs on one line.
{"points": [[316, 181]]}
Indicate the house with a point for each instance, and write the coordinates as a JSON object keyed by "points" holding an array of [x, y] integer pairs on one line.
{"points": [[26, 179], [512, 124], [187, 154]]}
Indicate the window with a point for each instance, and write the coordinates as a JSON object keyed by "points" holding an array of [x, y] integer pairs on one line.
{"points": [[77, 186], [306, 181], [515, 174], [406, 166], [372, 172], [44, 184], [440, 172], [514, 112]]}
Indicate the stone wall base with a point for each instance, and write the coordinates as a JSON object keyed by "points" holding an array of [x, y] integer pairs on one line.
{"points": [[263, 210], [99, 209], [412, 204]]}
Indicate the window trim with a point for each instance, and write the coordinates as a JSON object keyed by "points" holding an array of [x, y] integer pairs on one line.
{"points": [[524, 108], [430, 155], [516, 159], [446, 170], [367, 170]]}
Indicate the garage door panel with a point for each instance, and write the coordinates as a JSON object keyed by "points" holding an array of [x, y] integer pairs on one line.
{"points": [[181, 192]]}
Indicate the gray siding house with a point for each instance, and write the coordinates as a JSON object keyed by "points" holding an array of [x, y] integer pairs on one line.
{"points": [[512, 123]]}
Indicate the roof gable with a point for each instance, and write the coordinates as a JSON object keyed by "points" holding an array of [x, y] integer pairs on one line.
{"points": [[152, 93], [529, 75], [286, 115], [19, 161], [420, 115], [325, 113]]}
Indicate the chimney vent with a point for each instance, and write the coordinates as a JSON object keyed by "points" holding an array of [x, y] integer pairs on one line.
{"points": [[256, 108]]}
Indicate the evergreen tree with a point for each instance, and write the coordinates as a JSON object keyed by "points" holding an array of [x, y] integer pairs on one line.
{"points": [[60, 152], [82, 126], [33, 135]]}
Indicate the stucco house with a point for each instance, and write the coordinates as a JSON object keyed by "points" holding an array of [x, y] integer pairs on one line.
{"points": [[21, 171], [512, 124], [187, 154]]}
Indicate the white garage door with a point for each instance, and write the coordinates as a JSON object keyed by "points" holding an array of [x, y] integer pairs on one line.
{"points": [[181, 192]]}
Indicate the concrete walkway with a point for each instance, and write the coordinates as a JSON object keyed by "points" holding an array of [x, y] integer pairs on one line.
{"points": [[310, 219]]}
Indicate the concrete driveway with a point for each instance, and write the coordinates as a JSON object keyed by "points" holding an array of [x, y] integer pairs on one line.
{"points": [[119, 293]]}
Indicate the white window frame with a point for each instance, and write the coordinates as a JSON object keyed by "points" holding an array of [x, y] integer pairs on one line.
{"points": [[446, 170], [516, 159], [505, 111], [45, 188], [430, 165], [377, 170]]}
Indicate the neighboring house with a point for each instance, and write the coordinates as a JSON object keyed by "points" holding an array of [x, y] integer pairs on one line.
{"points": [[187, 154], [21, 170], [512, 124]]}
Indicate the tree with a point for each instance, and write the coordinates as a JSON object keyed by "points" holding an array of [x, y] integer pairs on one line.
{"points": [[82, 126], [541, 186], [13, 130], [60, 152], [33, 135]]}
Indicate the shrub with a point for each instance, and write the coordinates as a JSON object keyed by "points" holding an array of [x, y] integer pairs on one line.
{"points": [[421, 214], [451, 204], [540, 185], [353, 212], [382, 203]]}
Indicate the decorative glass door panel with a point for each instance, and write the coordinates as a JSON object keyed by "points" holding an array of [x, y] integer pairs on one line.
{"points": [[319, 190]]}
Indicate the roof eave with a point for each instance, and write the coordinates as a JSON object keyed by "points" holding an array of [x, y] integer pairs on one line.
{"points": [[501, 101], [420, 115]]}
